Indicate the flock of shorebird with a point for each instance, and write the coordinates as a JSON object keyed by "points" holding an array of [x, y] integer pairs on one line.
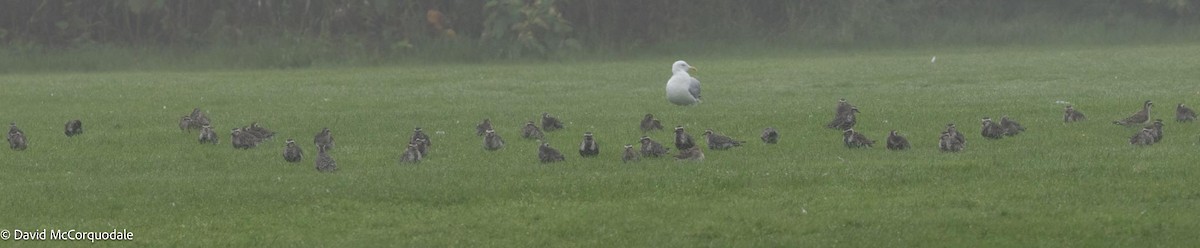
{"points": [[681, 89], [589, 148], [951, 140], [845, 118]]}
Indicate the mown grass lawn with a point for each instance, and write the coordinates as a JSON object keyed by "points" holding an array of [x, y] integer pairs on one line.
{"points": [[1058, 184]]}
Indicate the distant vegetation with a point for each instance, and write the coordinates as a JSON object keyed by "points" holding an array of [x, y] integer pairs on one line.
{"points": [[288, 33]]}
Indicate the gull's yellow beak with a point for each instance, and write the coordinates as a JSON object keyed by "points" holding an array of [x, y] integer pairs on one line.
{"points": [[692, 68]]}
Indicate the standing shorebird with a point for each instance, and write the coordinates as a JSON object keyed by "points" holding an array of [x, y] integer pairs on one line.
{"points": [[531, 131], [324, 139], [682, 88], [588, 148], [16, 138], [843, 108], [549, 123], [483, 126], [651, 148], [649, 123], [1072, 115], [629, 155], [1184, 114], [547, 154], [73, 127], [845, 120], [292, 152], [897, 142], [770, 136], [720, 142], [683, 140], [1141, 117], [492, 141]]}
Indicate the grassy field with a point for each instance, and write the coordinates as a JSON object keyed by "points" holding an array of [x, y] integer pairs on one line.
{"points": [[1056, 185]]}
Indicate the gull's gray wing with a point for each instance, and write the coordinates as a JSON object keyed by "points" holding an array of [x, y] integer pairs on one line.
{"points": [[694, 87]]}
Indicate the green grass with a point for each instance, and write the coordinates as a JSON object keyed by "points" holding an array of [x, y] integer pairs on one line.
{"points": [[1068, 185]]}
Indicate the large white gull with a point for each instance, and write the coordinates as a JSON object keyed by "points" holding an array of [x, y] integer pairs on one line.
{"points": [[683, 89]]}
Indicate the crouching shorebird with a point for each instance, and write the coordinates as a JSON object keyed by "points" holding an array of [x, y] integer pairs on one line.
{"points": [[690, 154], [770, 136], [1011, 127], [421, 145], [492, 141], [1141, 117], [651, 148], [412, 154], [649, 123], [897, 142], [629, 155], [958, 136], [588, 148], [948, 142], [720, 142], [483, 126], [991, 129], [324, 139], [682, 88], [207, 135], [1184, 114], [195, 120], [547, 154], [1145, 137], [418, 134], [292, 152], [242, 139], [259, 132], [855, 139], [324, 162], [683, 140], [1157, 130], [73, 127], [531, 131], [185, 124], [550, 123], [1072, 115]]}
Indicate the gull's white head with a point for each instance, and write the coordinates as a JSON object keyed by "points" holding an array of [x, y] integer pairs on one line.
{"points": [[681, 66]]}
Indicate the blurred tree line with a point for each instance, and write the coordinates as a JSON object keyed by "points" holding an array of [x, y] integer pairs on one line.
{"points": [[519, 28]]}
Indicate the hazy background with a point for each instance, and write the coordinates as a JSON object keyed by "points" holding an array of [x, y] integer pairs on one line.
{"points": [[87, 35]]}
